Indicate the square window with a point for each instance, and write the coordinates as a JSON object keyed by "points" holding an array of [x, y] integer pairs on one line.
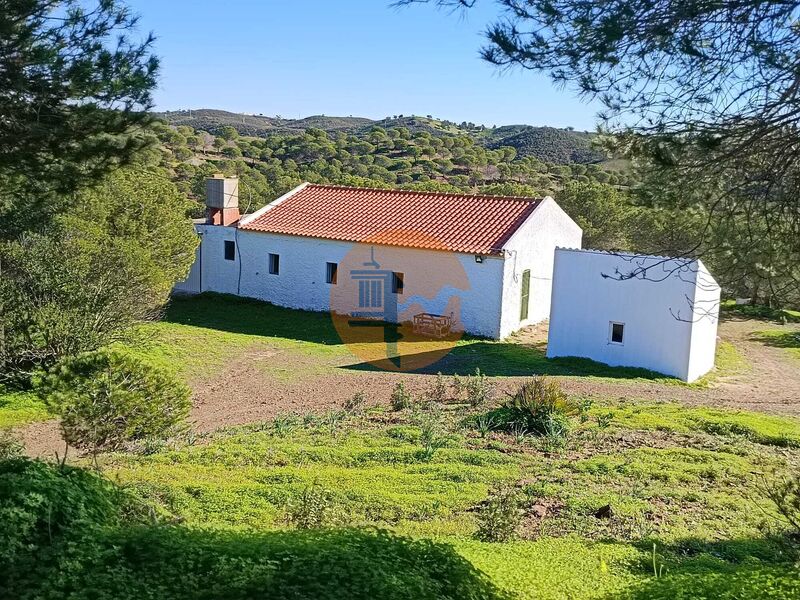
{"points": [[617, 333], [330, 272], [274, 264], [397, 283], [230, 250]]}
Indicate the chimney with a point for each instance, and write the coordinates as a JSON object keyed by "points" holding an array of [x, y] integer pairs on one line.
{"points": [[222, 200]]}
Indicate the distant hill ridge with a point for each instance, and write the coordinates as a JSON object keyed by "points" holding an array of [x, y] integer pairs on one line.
{"points": [[548, 144]]}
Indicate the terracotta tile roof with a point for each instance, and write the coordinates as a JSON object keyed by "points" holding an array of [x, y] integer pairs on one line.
{"points": [[436, 221]]}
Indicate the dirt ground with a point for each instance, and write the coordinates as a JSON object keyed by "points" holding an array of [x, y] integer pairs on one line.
{"points": [[770, 383], [263, 384]]}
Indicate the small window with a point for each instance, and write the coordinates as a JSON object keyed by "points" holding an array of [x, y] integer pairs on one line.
{"points": [[397, 283], [617, 333], [230, 250], [274, 264], [330, 272]]}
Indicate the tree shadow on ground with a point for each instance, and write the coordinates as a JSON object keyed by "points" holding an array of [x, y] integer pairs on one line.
{"points": [[72, 533], [742, 569], [785, 339]]}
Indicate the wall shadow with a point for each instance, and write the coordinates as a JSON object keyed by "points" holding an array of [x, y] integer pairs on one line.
{"points": [[511, 360], [235, 314]]}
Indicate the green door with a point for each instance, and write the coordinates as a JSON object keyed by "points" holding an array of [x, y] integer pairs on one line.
{"points": [[526, 292]]}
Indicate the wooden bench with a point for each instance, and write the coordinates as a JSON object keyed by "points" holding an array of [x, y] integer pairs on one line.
{"points": [[428, 324]]}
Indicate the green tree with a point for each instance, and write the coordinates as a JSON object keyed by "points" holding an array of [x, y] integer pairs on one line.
{"points": [[602, 211], [74, 94], [107, 398], [95, 272]]}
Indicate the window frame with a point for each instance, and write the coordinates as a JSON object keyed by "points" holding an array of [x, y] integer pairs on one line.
{"points": [[611, 325], [331, 273], [525, 295], [229, 245], [398, 282], [274, 263]]}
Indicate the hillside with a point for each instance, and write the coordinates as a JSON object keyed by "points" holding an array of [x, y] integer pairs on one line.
{"points": [[547, 144]]}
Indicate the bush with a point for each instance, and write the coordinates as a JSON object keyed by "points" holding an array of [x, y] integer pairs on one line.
{"points": [[433, 434], [437, 392], [10, 446], [400, 398], [311, 509], [479, 389], [355, 404], [540, 406], [41, 502], [785, 494], [107, 398], [499, 515], [68, 533]]}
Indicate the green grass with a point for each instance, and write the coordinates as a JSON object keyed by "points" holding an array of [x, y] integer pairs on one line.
{"points": [[20, 408], [661, 416], [206, 332], [689, 482]]}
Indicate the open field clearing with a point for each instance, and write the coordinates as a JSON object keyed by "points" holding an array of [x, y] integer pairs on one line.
{"points": [[683, 469]]}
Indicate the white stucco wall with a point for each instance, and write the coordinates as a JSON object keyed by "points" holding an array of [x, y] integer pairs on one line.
{"points": [[301, 281], [705, 314], [532, 247], [664, 329]]}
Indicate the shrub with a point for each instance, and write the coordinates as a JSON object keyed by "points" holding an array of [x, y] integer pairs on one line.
{"points": [[785, 494], [499, 515], [437, 392], [355, 404], [400, 398], [540, 406], [10, 446], [479, 389], [41, 502], [433, 434], [311, 509], [108, 398], [321, 564]]}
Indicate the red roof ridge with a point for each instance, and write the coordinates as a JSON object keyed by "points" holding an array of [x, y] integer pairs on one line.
{"points": [[458, 222], [427, 192]]}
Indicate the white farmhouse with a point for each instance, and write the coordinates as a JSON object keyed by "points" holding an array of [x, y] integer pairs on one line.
{"points": [[630, 310], [484, 262]]}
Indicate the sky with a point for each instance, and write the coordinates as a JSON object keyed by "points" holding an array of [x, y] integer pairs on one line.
{"points": [[296, 58]]}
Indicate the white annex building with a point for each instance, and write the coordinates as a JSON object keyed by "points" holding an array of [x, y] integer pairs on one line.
{"points": [[482, 263], [651, 312]]}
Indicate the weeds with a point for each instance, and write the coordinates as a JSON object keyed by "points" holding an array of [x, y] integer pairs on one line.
{"points": [[785, 495], [284, 424], [437, 392], [400, 398], [499, 516], [433, 434], [311, 509], [332, 419], [10, 446], [355, 404], [604, 420], [539, 406], [584, 406], [479, 389], [484, 423]]}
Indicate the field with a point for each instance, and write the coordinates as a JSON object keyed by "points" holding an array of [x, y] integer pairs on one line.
{"points": [[683, 468]]}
